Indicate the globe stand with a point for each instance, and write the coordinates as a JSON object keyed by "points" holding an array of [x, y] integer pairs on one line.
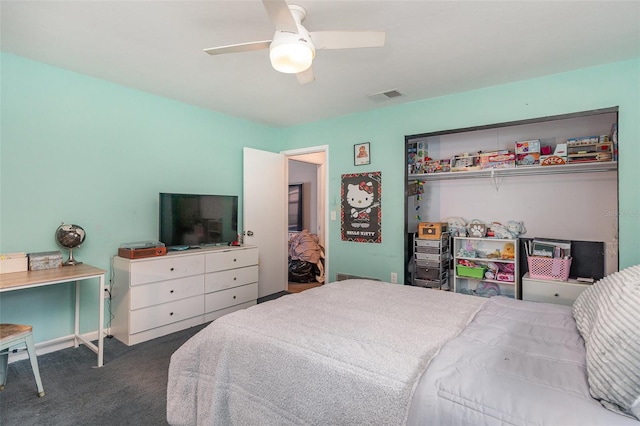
{"points": [[71, 261], [70, 236]]}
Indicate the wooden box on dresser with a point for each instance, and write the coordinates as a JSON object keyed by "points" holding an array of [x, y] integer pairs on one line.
{"points": [[155, 296]]}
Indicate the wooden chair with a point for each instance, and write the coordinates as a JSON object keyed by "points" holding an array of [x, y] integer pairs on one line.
{"points": [[13, 335]]}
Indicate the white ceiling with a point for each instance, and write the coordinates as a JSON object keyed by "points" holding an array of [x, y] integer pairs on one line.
{"points": [[433, 48]]}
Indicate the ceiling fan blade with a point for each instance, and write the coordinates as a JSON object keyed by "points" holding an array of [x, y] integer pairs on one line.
{"points": [[306, 76], [347, 39], [242, 47], [280, 15]]}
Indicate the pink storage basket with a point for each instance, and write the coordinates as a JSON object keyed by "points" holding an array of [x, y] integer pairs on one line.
{"points": [[547, 268]]}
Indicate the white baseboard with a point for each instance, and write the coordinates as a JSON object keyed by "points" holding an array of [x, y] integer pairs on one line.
{"points": [[49, 346]]}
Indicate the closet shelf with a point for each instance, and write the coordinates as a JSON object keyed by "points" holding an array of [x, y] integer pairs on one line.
{"points": [[604, 166]]}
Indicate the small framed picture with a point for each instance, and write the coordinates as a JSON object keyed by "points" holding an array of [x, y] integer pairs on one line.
{"points": [[361, 154]]}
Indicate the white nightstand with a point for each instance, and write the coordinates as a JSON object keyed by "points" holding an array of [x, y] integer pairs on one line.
{"points": [[550, 291]]}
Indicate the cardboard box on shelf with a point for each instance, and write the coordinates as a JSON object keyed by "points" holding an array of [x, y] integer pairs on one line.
{"points": [[526, 147], [558, 157], [528, 152], [584, 140], [13, 262], [465, 162], [530, 159], [417, 156], [497, 159]]}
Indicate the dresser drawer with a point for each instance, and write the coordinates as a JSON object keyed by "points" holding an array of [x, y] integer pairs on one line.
{"points": [[167, 268], [229, 259], [159, 315], [560, 292], [222, 280], [432, 243], [431, 257], [146, 295], [233, 296]]}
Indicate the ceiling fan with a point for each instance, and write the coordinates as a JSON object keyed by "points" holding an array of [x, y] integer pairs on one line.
{"points": [[293, 48]]}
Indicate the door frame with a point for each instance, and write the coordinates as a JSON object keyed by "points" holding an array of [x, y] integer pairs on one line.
{"points": [[323, 191]]}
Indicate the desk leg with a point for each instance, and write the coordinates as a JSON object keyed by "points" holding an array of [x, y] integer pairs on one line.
{"points": [[76, 328], [101, 323]]}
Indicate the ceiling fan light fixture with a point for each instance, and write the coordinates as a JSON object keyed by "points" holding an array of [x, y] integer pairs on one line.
{"points": [[292, 48], [291, 58]]}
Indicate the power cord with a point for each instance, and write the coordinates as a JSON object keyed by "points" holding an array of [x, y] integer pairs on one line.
{"points": [[108, 290]]}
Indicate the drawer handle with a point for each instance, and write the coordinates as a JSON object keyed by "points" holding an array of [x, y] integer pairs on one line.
{"points": [[171, 291], [234, 278], [234, 297], [234, 260], [171, 269], [170, 313], [556, 295]]}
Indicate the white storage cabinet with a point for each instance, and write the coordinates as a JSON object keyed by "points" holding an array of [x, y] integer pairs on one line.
{"points": [[155, 296], [551, 291]]}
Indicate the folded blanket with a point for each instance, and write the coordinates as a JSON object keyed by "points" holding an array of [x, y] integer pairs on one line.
{"points": [[348, 353]]}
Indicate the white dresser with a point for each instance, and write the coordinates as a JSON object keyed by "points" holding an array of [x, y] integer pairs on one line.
{"points": [[549, 291], [155, 296]]}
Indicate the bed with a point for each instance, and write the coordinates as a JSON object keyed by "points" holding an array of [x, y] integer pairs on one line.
{"points": [[360, 352]]}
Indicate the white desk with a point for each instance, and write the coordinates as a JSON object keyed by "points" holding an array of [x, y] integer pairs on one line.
{"points": [[21, 280]]}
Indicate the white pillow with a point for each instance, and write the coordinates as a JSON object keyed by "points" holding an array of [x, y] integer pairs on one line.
{"points": [[608, 317]]}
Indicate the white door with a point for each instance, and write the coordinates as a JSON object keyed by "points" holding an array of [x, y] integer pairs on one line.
{"points": [[265, 218]]}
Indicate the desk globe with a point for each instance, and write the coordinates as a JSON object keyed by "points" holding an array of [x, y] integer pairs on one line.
{"points": [[70, 237]]}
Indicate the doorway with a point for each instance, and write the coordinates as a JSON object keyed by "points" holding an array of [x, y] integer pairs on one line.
{"points": [[306, 175]]}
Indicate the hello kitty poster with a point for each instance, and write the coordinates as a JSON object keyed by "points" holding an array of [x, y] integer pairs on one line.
{"points": [[361, 217]]}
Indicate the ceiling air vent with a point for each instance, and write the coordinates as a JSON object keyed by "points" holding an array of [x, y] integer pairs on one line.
{"points": [[383, 96]]}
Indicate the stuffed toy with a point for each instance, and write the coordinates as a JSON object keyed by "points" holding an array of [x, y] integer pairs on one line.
{"points": [[516, 228], [457, 226], [500, 231], [508, 251], [467, 250]]}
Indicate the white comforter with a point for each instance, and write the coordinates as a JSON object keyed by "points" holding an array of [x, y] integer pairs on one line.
{"points": [[348, 353], [516, 363]]}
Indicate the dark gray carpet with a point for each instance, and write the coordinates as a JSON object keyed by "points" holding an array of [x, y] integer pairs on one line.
{"points": [[131, 388]]}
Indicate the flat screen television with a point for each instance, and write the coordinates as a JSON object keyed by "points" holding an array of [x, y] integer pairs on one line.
{"points": [[195, 220]]}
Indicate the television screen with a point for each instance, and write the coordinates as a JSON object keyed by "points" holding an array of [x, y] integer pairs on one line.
{"points": [[197, 220]]}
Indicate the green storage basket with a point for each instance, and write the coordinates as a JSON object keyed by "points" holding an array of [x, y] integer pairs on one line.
{"points": [[471, 272]]}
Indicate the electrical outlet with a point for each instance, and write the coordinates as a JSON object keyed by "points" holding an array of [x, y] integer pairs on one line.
{"points": [[107, 292], [394, 277]]}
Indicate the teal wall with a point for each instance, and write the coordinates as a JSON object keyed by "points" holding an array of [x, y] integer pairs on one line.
{"points": [[86, 151], [82, 150], [616, 84]]}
